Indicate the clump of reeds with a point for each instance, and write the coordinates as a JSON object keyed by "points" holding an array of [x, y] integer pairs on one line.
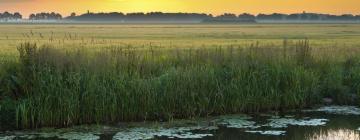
{"points": [[62, 88]]}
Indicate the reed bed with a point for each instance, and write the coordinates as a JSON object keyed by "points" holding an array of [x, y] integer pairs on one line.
{"points": [[49, 86]]}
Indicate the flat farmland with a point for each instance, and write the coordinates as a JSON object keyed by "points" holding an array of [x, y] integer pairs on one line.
{"points": [[94, 35]]}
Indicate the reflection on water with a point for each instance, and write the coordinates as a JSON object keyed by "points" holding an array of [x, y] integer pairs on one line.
{"points": [[341, 134], [326, 123]]}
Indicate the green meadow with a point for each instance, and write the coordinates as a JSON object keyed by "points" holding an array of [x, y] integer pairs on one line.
{"points": [[63, 75]]}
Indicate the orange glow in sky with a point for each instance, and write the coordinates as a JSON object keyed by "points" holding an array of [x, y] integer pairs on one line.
{"points": [[215, 7]]}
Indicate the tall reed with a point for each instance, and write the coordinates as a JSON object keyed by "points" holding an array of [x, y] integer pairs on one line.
{"points": [[62, 88]]}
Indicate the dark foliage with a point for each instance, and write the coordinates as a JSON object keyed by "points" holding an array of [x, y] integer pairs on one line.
{"points": [[10, 16], [226, 17], [45, 16]]}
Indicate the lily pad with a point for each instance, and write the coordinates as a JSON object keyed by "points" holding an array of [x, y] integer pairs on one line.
{"points": [[78, 136], [339, 110], [60, 135], [238, 122], [150, 133], [7, 137], [285, 122], [269, 132]]}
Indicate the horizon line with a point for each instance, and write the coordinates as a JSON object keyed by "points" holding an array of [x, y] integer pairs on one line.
{"points": [[236, 13]]}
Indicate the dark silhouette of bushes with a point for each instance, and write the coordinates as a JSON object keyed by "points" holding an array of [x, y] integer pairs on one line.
{"points": [[198, 17], [152, 16], [10, 16], [45, 16], [183, 17], [308, 17]]}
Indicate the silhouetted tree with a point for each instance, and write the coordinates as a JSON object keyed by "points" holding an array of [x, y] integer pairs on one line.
{"points": [[73, 14], [246, 16], [347, 17], [32, 17], [9, 16], [314, 17], [274, 16], [293, 17], [6, 15], [227, 16], [58, 16], [17, 15], [45, 16]]}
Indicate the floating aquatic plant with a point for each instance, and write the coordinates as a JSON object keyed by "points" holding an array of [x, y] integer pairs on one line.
{"points": [[60, 135], [269, 132], [285, 122], [135, 134], [7, 137], [340, 110], [238, 122], [78, 136], [150, 133]]}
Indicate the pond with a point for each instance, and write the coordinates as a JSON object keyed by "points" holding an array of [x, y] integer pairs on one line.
{"points": [[330, 122]]}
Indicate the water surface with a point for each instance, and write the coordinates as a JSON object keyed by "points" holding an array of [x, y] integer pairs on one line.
{"points": [[325, 123]]}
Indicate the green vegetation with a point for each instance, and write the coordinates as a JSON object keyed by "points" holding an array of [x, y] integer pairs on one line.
{"points": [[53, 87], [63, 84]]}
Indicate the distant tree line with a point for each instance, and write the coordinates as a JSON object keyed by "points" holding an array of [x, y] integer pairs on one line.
{"points": [[10, 16], [232, 18], [297, 16], [176, 17], [46, 16], [152, 16], [308, 17], [245, 17]]}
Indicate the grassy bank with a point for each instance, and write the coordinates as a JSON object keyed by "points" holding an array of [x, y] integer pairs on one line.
{"points": [[49, 86]]}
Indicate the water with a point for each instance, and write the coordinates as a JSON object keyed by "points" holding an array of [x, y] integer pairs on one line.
{"points": [[326, 123]]}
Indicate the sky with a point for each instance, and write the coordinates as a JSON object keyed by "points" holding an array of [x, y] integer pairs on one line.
{"points": [[214, 7]]}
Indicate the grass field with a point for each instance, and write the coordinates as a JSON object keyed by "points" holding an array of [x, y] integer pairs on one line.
{"points": [[161, 72], [176, 35]]}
